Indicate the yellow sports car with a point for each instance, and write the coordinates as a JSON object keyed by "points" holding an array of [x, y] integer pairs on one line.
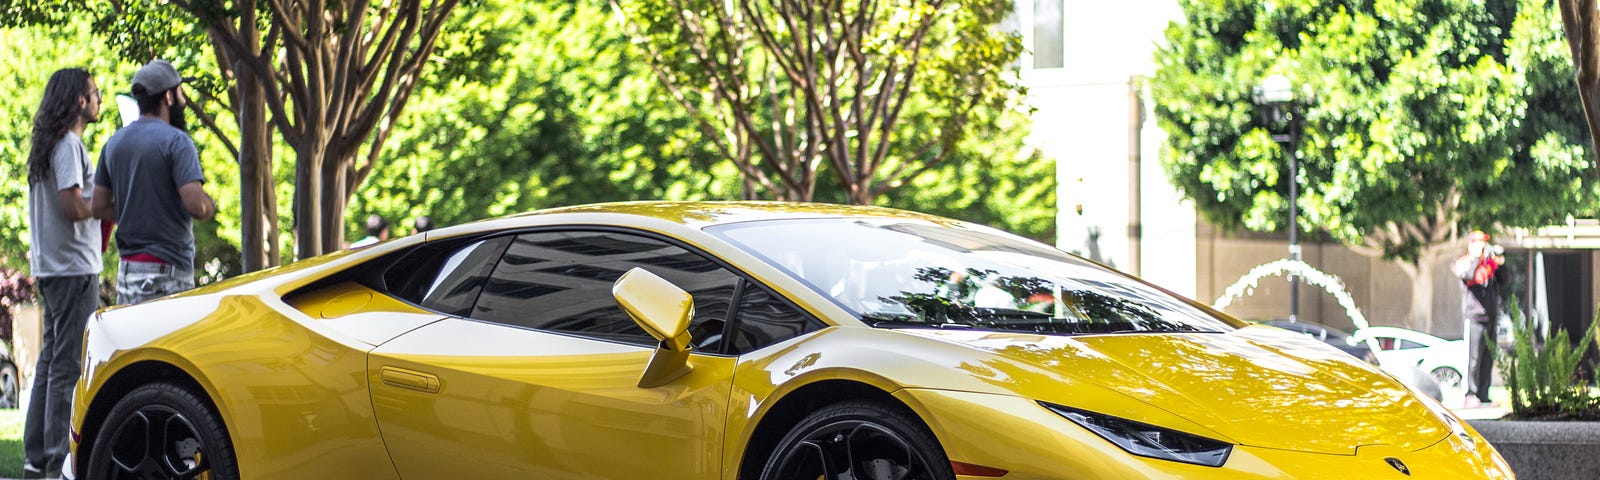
{"points": [[730, 341]]}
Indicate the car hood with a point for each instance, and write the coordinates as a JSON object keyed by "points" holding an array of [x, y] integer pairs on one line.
{"points": [[1258, 386]]}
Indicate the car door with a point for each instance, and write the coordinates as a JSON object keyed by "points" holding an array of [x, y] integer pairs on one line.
{"points": [[538, 379]]}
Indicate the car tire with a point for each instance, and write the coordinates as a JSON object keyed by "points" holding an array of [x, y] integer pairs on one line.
{"points": [[865, 439], [191, 440], [1448, 377], [10, 386]]}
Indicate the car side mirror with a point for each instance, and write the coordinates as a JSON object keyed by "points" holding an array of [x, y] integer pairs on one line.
{"points": [[663, 310]]}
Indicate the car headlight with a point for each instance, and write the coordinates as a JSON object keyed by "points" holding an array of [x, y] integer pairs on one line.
{"points": [[1147, 440]]}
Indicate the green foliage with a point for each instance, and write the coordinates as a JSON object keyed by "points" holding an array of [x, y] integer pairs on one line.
{"points": [[561, 113], [551, 106], [1419, 115], [533, 105], [11, 457], [1542, 374], [857, 97], [50, 49], [993, 180], [61, 46]]}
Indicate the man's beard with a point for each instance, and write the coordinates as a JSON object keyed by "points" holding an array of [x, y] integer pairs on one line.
{"points": [[179, 117]]}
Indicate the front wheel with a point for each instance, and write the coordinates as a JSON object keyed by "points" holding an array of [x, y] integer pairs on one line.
{"points": [[858, 440], [161, 431]]}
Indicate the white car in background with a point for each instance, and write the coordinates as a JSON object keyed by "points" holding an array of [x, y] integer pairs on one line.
{"points": [[1444, 360]]}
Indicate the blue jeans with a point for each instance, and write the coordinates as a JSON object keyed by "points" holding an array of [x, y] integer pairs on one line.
{"points": [[140, 281], [68, 303]]}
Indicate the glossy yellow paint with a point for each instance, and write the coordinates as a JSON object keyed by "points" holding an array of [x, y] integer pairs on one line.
{"points": [[1285, 409], [1033, 443], [292, 407], [342, 381], [658, 306], [519, 403]]}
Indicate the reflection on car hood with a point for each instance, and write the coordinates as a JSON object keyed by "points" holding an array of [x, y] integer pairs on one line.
{"points": [[1258, 386]]}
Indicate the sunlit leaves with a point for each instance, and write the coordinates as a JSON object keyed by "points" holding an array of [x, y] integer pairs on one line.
{"points": [[1407, 104]]}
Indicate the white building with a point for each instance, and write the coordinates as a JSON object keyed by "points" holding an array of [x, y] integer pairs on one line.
{"points": [[1084, 68]]}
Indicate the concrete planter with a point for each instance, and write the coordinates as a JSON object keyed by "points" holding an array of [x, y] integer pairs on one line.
{"points": [[1546, 450]]}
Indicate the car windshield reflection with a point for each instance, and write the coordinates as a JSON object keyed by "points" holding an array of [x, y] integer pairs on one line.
{"points": [[897, 273]]}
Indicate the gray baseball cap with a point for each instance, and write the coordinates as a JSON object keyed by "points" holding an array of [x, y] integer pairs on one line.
{"points": [[155, 77]]}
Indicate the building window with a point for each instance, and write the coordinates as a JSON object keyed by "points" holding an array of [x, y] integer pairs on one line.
{"points": [[1048, 36]]}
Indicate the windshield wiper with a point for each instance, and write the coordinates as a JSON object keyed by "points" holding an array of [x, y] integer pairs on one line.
{"points": [[892, 323]]}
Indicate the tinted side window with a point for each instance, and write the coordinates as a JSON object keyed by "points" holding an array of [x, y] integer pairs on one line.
{"points": [[765, 319], [562, 281], [445, 279]]}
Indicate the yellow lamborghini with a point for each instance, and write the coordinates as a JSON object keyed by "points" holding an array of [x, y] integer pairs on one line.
{"points": [[730, 341]]}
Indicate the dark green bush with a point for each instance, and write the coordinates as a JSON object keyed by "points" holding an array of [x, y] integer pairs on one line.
{"points": [[1542, 374]]}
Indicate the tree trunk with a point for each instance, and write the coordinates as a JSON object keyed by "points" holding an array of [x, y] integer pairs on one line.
{"points": [[1421, 317], [1578, 19], [258, 202], [307, 200], [335, 189], [1591, 112]]}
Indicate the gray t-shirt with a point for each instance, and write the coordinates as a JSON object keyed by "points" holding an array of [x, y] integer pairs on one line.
{"points": [[143, 164], [61, 248]]}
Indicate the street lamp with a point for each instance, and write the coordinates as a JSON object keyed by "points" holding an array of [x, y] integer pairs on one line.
{"points": [[1275, 101]]}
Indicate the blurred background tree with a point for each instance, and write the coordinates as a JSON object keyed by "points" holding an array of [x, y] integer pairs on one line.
{"points": [[1421, 119]]}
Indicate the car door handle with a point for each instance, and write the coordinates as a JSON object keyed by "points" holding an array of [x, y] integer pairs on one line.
{"points": [[411, 379]]}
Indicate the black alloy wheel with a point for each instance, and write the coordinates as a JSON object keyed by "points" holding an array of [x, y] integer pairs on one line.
{"points": [[1448, 377], [161, 431], [10, 386], [858, 440]]}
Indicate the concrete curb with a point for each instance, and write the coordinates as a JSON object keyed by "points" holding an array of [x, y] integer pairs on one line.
{"points": [[1545, 450]]}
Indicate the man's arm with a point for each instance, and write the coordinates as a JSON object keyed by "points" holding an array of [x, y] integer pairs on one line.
{"points": [[1465, 268], [101, 204], [196, 201], [73, 205]]}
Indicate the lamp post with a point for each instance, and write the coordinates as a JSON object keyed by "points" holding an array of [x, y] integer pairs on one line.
{"points": [[1275, 101]]}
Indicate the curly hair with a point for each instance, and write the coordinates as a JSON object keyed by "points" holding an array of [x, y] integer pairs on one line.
{"points": [[58, 110]]}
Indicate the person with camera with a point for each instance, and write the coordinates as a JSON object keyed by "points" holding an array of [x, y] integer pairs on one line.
{"points": [[1479, 271]]}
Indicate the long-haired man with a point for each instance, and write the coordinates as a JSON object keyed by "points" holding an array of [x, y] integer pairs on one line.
{"points": [[64, 257]]}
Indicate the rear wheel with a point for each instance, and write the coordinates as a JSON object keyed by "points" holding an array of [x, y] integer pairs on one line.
{"points": [[1447, 377], [161, 431], [858, 440]]}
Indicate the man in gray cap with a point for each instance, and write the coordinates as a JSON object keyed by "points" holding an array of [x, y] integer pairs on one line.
{"points": [[149, 182]]}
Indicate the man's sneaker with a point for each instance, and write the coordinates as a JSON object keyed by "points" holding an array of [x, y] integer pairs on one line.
{"points": [[30, 472]]}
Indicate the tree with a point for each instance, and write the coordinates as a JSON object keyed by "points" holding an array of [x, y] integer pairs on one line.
{"points": [[139, 31], [333, 76], [1578, 21], [1421, 119], [62, 45], [879, 92], [559, 111], [562, 110]]}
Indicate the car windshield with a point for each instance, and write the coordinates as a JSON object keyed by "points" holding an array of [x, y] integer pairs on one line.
{"points": [[895, 273]]}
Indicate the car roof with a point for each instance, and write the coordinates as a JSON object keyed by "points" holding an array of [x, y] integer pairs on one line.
{"points": [[705, 214], [1404, 333]]}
